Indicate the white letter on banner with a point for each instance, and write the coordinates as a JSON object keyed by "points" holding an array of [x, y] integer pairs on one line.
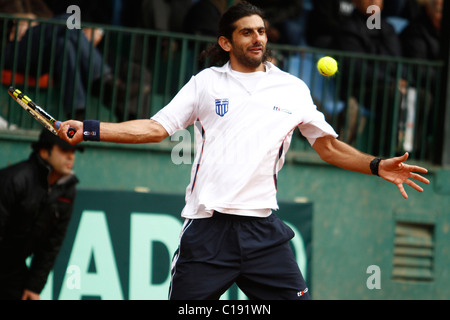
{"points": [[93, 240], [145, 229]]}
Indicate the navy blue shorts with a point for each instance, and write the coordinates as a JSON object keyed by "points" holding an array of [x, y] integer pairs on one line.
{"points": [[252, 252]]}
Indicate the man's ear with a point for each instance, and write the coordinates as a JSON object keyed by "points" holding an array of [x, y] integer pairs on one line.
{"points": [[224, 43], [44, 153]]}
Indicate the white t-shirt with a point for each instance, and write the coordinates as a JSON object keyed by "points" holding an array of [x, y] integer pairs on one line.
{"points": [[243, 126]]}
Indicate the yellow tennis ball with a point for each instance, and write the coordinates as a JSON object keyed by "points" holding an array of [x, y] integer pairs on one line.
{"points": [[327, 66]]}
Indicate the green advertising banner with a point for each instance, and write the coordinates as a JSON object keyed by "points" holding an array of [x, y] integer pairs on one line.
{"points": [[119, 246]]}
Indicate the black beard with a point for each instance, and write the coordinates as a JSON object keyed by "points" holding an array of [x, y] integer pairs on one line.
{"points": [[251, 62]]}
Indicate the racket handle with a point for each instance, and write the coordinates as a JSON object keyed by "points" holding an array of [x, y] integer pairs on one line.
{"points": [[70, 133]]}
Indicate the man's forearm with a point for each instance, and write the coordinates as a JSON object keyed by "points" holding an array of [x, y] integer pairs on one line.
{"points": [[135, 131], [343, 155]]}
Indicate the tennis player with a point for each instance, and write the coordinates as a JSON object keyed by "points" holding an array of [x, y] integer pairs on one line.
{"points": [[244, 113]]}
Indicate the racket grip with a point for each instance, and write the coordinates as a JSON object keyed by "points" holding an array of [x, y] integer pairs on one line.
{"points": [[70, 133]]}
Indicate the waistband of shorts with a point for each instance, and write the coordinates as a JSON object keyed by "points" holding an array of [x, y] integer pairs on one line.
{"points": [[235, 217]]}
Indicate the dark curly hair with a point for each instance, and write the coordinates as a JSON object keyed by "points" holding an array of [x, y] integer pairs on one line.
{"points": [[218, 56]]}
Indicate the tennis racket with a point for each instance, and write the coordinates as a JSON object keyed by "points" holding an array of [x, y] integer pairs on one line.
{"points": [[38, 113]]}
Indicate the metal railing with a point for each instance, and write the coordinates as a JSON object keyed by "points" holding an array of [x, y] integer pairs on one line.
{"points": [[381, 105]]}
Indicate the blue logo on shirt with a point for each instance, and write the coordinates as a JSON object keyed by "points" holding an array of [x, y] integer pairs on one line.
{"points": [[221, 106]]}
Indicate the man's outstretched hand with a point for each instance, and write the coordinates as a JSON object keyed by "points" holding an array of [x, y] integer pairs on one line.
{"points": [[396, 171], [64, 128]]}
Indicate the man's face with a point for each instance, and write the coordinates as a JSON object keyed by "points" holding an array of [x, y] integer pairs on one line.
{"points": [[362, 5], [434, 11], [248, 45], [60, 159]]}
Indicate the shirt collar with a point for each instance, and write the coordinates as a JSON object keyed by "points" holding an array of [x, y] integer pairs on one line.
{"points": [[226, 68]]}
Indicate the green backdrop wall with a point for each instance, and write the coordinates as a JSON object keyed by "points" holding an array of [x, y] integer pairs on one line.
{"points": [[359, 221]]}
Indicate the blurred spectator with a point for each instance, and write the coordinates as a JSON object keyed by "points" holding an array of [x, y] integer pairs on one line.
{"points": [[160, 15], [202, 17], [115, 12], [285, 20], [422, 37], [407, 9], [327, 16], [356, 36], [163, 15], [325, 20], [421, 40], [400, 12], [91, 11], [24, 37], [110, 12]]}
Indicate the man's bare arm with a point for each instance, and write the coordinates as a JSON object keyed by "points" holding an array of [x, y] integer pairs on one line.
{"points": [[393, 170], [133, 131]]}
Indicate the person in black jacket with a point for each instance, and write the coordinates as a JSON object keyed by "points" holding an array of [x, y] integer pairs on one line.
{"points": [[421, 38], [202, 17], [325, 20], [36, 202]]}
